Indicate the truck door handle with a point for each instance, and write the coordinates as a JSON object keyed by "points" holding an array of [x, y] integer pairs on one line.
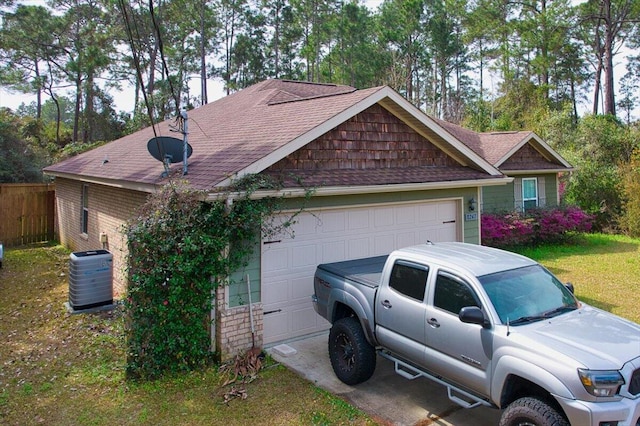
{"points": [[386, 304], [433, 323]]}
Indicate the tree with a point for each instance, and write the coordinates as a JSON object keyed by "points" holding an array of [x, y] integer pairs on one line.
{"points": [[606, 24], [19, 162], [354, 58], [401, 32], [26, 42]]}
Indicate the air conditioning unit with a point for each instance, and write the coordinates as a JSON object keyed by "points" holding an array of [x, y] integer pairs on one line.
{"points": [[90, 279]]}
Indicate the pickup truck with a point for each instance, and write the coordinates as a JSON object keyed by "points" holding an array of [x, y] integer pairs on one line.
{"points": [[495, 328]]}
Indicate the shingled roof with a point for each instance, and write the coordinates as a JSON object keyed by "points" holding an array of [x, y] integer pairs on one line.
{"points": [[250, 130], [510, 151]]}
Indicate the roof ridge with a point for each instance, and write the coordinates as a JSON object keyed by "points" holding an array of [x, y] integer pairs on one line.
{"points": [[296, 98]]}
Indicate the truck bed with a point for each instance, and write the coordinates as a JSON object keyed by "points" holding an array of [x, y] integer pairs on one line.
{"points": [[366, 271]]}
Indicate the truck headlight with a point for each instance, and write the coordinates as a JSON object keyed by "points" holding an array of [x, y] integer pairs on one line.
{"points": [[601, 382]]}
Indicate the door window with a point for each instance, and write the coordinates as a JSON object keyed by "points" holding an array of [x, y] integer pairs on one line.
{"points": [[408, 279], [451, 294]]}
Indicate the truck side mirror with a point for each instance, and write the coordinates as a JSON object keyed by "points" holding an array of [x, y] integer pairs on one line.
{"points": [[473, 315], [569, 287]]}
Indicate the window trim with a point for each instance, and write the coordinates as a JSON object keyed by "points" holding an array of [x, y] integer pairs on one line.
{"points": [[535, 186], [84, 211]]}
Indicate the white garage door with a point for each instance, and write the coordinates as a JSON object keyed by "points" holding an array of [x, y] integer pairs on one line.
{"points": [[331, 235]]}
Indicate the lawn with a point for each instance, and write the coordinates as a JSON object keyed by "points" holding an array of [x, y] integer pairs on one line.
{"points": [[59, 369]]}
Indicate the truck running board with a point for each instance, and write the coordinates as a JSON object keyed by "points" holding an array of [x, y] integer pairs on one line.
{"points": [[408, 371]]}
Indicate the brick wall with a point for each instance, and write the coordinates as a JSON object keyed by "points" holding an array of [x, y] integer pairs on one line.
{"points": [[109, 209], [233, 327]]}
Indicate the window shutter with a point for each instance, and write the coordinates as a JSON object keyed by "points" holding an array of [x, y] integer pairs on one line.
{"points": [[542, 196], [517, 194]]}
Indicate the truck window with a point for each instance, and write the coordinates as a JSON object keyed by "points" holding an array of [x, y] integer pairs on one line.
{"points": [[410, 280], [452, 294]]}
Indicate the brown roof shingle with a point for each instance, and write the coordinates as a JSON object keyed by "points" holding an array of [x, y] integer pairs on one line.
{"points": [[495, 146], [249, 131]]}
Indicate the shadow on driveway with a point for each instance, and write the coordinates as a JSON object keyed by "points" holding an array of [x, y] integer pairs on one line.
{"points": [[387, 397]]}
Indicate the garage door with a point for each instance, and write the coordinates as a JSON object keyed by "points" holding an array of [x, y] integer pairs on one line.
{"points": [[331, 235]]}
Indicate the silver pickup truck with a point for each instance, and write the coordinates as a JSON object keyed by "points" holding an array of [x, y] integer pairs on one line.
{"points": [[495, 328]]}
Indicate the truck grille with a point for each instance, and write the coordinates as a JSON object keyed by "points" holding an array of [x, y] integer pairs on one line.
{"points": [[634, 385]]}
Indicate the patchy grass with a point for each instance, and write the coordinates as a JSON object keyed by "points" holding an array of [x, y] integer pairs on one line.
{"points": [[59, 369]]}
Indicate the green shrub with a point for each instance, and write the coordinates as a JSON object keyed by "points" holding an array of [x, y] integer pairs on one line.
{"points": [[180, 250], [630, 217]]}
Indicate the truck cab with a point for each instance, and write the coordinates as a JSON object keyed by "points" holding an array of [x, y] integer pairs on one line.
{"points": [[494, 327]]}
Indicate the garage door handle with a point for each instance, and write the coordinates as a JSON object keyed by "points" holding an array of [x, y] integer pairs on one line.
{"points": [[449, 221], [272, 312], [386, 304]]}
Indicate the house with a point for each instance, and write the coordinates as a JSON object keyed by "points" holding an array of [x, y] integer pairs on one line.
{"points": [[523, 155], [385, 176]]}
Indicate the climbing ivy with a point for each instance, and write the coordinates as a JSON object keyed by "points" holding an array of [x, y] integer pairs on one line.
{"points": [[181, 249]]}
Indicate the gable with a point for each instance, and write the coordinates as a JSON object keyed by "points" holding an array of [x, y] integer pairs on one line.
{"points": [[277, 126], [372, 147], [529, 158]]}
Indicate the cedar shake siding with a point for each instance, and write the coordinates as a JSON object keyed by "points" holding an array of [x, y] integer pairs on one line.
{"points": [[528, 158], [373, 139], [372, 148]]}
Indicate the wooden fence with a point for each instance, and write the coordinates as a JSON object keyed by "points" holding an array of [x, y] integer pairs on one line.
{"points": [[27, 213]]}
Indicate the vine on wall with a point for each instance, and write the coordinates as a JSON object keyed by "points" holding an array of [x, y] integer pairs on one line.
{"points": [[180, 250]]}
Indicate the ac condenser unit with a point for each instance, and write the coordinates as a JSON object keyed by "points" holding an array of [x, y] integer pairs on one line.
{"points": [[90, 279]]}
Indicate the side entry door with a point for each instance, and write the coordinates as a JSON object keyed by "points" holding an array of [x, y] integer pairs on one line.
{"points": [[457, 350], [400, 310]]}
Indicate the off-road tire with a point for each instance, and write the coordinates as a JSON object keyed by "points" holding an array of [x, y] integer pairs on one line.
{"points": [[531, 412], [352, 357]]}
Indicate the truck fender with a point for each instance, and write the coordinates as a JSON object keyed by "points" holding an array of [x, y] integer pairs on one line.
{"points": [[510, 365], [340, 296]]}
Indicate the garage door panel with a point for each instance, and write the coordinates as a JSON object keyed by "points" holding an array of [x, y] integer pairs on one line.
{"points": [[304, 320], [333, 222], [383, 217], [275, 259], [274, 292], [406, 215], [383, 244], [333, 251], [304, 256], [358, 219], [334, 235], [404, 239], [359, 247], [301, 287]]}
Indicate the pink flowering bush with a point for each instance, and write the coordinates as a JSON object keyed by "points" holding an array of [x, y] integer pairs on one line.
{"points": [[536, 226]]}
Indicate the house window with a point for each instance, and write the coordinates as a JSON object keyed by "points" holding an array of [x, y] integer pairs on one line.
{"points": [[85, 209], [410, 280], [529, 193]]}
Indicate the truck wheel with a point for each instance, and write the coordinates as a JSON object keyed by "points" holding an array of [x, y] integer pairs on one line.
{"points": [[531, 412], [352, 357]]}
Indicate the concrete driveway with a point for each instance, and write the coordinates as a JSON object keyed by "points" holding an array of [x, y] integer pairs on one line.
{"points": [[386, 397]]}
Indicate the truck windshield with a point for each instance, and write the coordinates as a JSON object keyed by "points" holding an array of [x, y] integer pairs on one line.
{"points": [[527, 294]]}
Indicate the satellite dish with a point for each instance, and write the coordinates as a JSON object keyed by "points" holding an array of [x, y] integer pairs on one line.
{"points": [[168, 149]]}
